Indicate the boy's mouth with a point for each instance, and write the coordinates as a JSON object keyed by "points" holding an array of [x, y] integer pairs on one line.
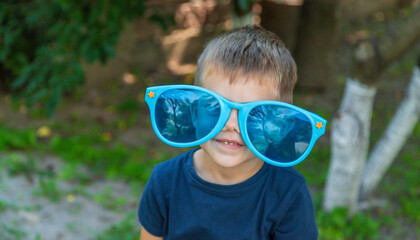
{"points": [[229, 143]]}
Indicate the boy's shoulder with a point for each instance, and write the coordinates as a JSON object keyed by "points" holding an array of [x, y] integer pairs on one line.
{"points": [[288, 173], [286, 180]]}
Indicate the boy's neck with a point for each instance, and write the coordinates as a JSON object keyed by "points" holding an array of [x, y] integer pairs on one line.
{"points": [[214, 173]]}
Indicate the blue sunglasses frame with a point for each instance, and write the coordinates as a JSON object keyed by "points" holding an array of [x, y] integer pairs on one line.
{"points": [[317, 122]]}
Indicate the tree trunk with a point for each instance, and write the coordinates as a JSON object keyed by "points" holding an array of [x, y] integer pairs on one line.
{"points": [[316, 37], [349, 145], [394, 137], [282, 20], [350, 129]]}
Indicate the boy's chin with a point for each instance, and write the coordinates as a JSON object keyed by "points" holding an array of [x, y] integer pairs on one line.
{"points": [[228, 161]]}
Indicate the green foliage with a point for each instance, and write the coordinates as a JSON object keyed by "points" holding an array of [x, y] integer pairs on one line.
{"points": [[15, 139], [111, 159], [244, 5], [410, 208], [108, 200], [11, 232], [128, 229], [128, 105], [336, 226], [165, 21], [319, 160], [24, 165], [3, 206], [90, 150], [16, 166], [71, 172], [102, 157], [408, 188], [42, 43], [49, 189]]}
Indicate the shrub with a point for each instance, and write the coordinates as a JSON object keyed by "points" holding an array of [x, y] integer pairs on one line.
{"points": [[42, 43]]}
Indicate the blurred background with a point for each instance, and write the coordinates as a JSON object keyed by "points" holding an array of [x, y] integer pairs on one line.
{"points": [[76, 142]]}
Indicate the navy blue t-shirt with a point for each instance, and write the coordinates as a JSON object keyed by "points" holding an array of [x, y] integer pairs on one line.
{"points": [[273, 204]]}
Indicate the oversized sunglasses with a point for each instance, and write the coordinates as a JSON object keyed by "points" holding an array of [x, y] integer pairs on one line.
{"points": [[279, 133]]}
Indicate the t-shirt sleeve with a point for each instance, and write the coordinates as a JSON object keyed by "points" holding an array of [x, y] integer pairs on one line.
{"points": [[299, 221], [151, 208]]}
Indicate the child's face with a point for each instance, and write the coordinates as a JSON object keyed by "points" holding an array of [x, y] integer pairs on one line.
{"points": [[228, 149]]}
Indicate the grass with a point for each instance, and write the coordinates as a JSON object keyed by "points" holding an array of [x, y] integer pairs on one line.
{"points": [[14, 139], [73, 172], [3, 205], [48, 188], [335, 225], [128, 229], [90, 149], [108, 200], [11, 232]]}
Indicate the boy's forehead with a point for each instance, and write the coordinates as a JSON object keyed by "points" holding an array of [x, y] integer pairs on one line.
{"points": [[237, 77], [221, 82]]}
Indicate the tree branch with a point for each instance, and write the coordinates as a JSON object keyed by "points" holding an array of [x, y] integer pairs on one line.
{"points": [[404, 34], [373, 55]]}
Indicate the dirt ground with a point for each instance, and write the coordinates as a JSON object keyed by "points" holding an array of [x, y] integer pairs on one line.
{"points": [[75, 216]]}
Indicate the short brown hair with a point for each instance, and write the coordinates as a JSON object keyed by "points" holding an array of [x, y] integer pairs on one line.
{"points": [[250, 51]]}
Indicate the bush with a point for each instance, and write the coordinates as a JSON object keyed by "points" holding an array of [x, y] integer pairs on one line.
{"points": [[336, 225], [42, 43]]}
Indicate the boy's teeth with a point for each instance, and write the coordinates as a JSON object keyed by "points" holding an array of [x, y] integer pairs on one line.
{"points": [[228, 143]]}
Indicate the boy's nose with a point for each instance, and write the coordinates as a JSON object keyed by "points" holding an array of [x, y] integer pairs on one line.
{"points": [[232, 122]]}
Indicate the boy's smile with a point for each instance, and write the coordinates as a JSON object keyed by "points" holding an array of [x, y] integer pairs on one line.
{"points": [[226, 159], [229, 143]]}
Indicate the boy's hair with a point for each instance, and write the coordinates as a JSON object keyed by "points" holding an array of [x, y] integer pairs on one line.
{"points": [[250, 52]]}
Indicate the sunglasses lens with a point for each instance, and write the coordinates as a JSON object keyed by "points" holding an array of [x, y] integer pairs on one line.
{"points": [[279, 133], [184, 115]]}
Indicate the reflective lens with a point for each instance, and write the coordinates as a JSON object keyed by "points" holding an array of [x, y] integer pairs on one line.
{"points": [[279, 133], [184, 115]]}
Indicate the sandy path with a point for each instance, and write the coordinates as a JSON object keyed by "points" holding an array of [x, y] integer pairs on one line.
{"points": [[83, 212]]}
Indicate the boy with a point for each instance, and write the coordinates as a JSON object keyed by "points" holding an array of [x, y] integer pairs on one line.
{"points": [[223, 190]]}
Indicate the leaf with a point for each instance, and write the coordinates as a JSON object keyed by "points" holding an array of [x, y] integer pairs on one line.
{"points": [[53, 101], [164, 21], [244, 4], [38, 96], [22, 78], [43, 132]]}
